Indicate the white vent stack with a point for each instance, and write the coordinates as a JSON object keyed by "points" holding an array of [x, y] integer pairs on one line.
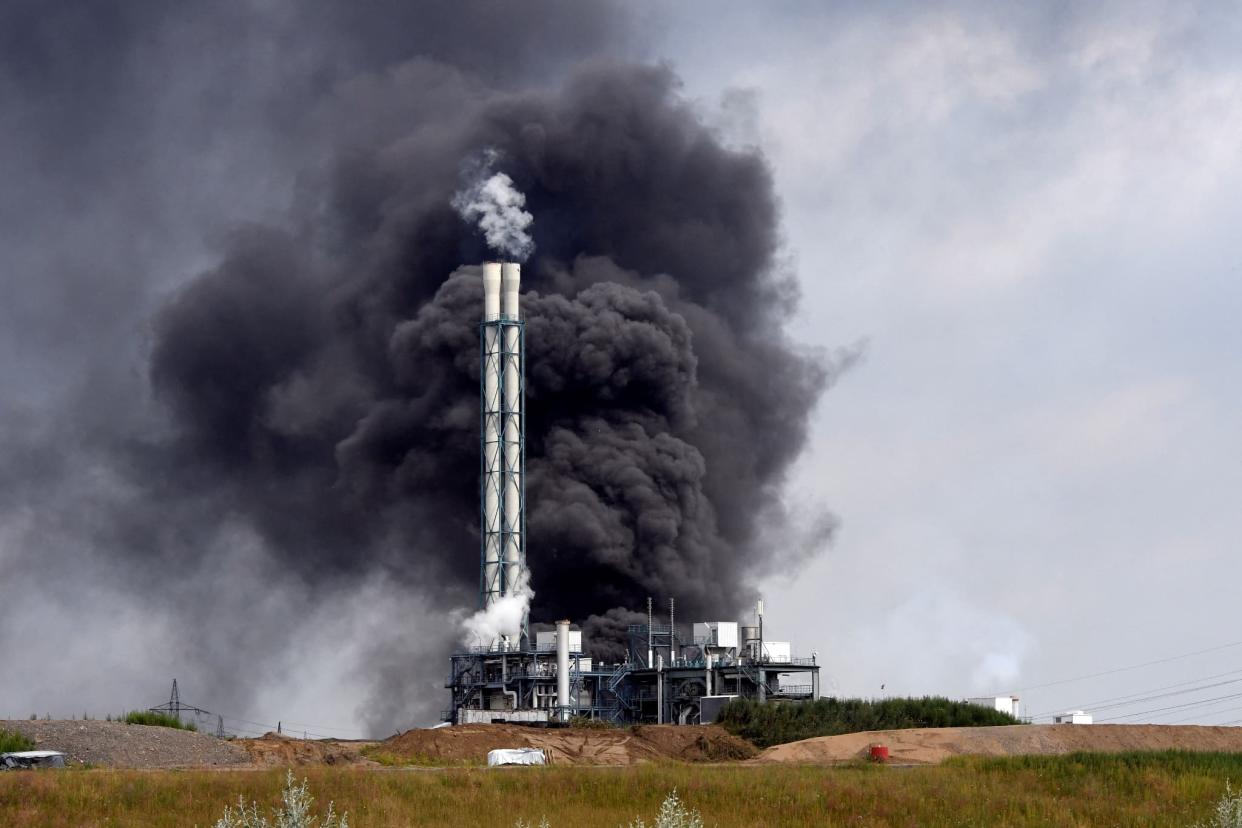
{"points": [[511, 279], [502, 457], [491, 413], [562, 668]]}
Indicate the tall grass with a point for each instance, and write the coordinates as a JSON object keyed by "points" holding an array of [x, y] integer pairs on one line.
{"points": [[1140, 790], [149, 717], [775, 724], [11, 742]]}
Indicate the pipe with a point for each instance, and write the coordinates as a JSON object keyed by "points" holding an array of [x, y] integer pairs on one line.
{"points": [[511, 279], [660, 689], [650, 648], [491, 436], [562, 670], [672, 635]]}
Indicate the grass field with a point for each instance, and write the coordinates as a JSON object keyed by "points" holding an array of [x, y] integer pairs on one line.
{"points": [[1123, 790]]}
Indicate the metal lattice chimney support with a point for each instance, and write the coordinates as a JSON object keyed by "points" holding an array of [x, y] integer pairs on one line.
{"points": [[491, 587], [502, 371], [514, 517]]}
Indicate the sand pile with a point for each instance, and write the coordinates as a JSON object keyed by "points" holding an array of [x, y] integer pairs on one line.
{"points": [[931, 745]]}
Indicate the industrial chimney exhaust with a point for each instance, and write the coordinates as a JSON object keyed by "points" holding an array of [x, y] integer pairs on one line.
{"points": [[502, 455]]}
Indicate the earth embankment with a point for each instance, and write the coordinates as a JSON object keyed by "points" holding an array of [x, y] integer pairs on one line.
{"points": [[933, 745], [571, 746]]}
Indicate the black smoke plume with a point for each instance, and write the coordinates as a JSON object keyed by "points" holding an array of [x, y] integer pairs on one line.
{"points": [[313, 424], [332, 370]]}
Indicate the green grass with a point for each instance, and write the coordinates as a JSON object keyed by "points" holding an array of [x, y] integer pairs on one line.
{"points": [[775, 724], [11, 742], [376, 753], [148, 717], [1141, 790]]}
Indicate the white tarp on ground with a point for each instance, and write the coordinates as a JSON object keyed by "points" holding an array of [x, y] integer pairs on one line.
{"points": [[516, 756], [32, 759]]}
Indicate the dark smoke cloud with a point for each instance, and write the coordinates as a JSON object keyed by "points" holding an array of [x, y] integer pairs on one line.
{"points": [[302, 428], [664, 403]]}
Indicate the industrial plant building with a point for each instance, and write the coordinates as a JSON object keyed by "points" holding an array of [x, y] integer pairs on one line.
{"points": [[666, 677]]}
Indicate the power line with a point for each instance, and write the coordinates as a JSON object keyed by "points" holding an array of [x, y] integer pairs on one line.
{"points": [[1138, 698], [1173, 707], [1127, 669]]}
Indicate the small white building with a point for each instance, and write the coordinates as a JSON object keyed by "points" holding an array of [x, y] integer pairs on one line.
{"points": [[1072, 717], [1004, 704]]}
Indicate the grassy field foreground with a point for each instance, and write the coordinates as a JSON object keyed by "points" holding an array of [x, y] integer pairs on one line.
{"points": [[1128, 789]]}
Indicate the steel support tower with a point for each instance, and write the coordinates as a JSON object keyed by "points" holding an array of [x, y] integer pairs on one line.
{"points": [[502, 450]]}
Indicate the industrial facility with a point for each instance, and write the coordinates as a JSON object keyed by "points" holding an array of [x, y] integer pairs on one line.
{"points": [[666, 677]]}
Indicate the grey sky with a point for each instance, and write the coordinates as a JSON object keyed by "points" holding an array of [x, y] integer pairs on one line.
{"points": [[1031, 218], [1028, 213]]}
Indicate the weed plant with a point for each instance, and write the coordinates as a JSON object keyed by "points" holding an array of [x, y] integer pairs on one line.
{"points": [[775, 724], [148, 717], [11, 742]]}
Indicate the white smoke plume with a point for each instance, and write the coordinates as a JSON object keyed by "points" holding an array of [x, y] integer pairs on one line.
{"points": [[502, 618], [490, 199]]}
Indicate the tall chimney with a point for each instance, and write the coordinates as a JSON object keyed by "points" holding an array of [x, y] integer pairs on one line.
{"points": [[502, 456], [490, 409], [514, 517]]}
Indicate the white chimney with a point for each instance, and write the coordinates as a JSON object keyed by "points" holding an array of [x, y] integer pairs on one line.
{"points": [[511, 279], [492, 478], [562, 669]]}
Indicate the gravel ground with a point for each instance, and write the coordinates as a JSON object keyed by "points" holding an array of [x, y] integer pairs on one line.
{"points": [[120, 745]]}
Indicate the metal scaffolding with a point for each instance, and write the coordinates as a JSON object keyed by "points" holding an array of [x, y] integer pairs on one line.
{"points": [[502, 459]]}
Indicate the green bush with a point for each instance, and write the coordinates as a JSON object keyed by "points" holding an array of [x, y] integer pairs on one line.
{"points": [[11, 742], [148, 717], [775, 724]]}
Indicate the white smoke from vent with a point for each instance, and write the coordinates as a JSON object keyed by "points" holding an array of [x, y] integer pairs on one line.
{"points": [[502, 619], [490, 199]]}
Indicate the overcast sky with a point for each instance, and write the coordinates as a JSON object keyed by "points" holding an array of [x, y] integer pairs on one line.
{"points": [[1030, 217], [1024, 215]]}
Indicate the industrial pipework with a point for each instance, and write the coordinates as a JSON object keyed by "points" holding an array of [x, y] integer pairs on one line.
{"points": [[502, 375]]}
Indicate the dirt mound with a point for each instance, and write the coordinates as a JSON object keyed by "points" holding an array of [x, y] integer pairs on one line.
{"points": [[121, 745], [574, 746], [275, 750], [932, 745]]}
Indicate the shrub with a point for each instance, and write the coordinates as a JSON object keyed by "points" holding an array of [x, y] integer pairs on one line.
{"points": [[148, 717], [295, 813], [11, 742], [1228, 813], [774, 724], [592, 724], [673, 814]]}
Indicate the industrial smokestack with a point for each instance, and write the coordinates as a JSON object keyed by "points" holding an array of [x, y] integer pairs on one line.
{"points": [[514, 511], [502, 454], [562, 669], [492, 587]]}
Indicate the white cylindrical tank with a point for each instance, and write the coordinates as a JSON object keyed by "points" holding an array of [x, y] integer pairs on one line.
{"points": [[492, 478], [511, 279], [562, 669]]}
